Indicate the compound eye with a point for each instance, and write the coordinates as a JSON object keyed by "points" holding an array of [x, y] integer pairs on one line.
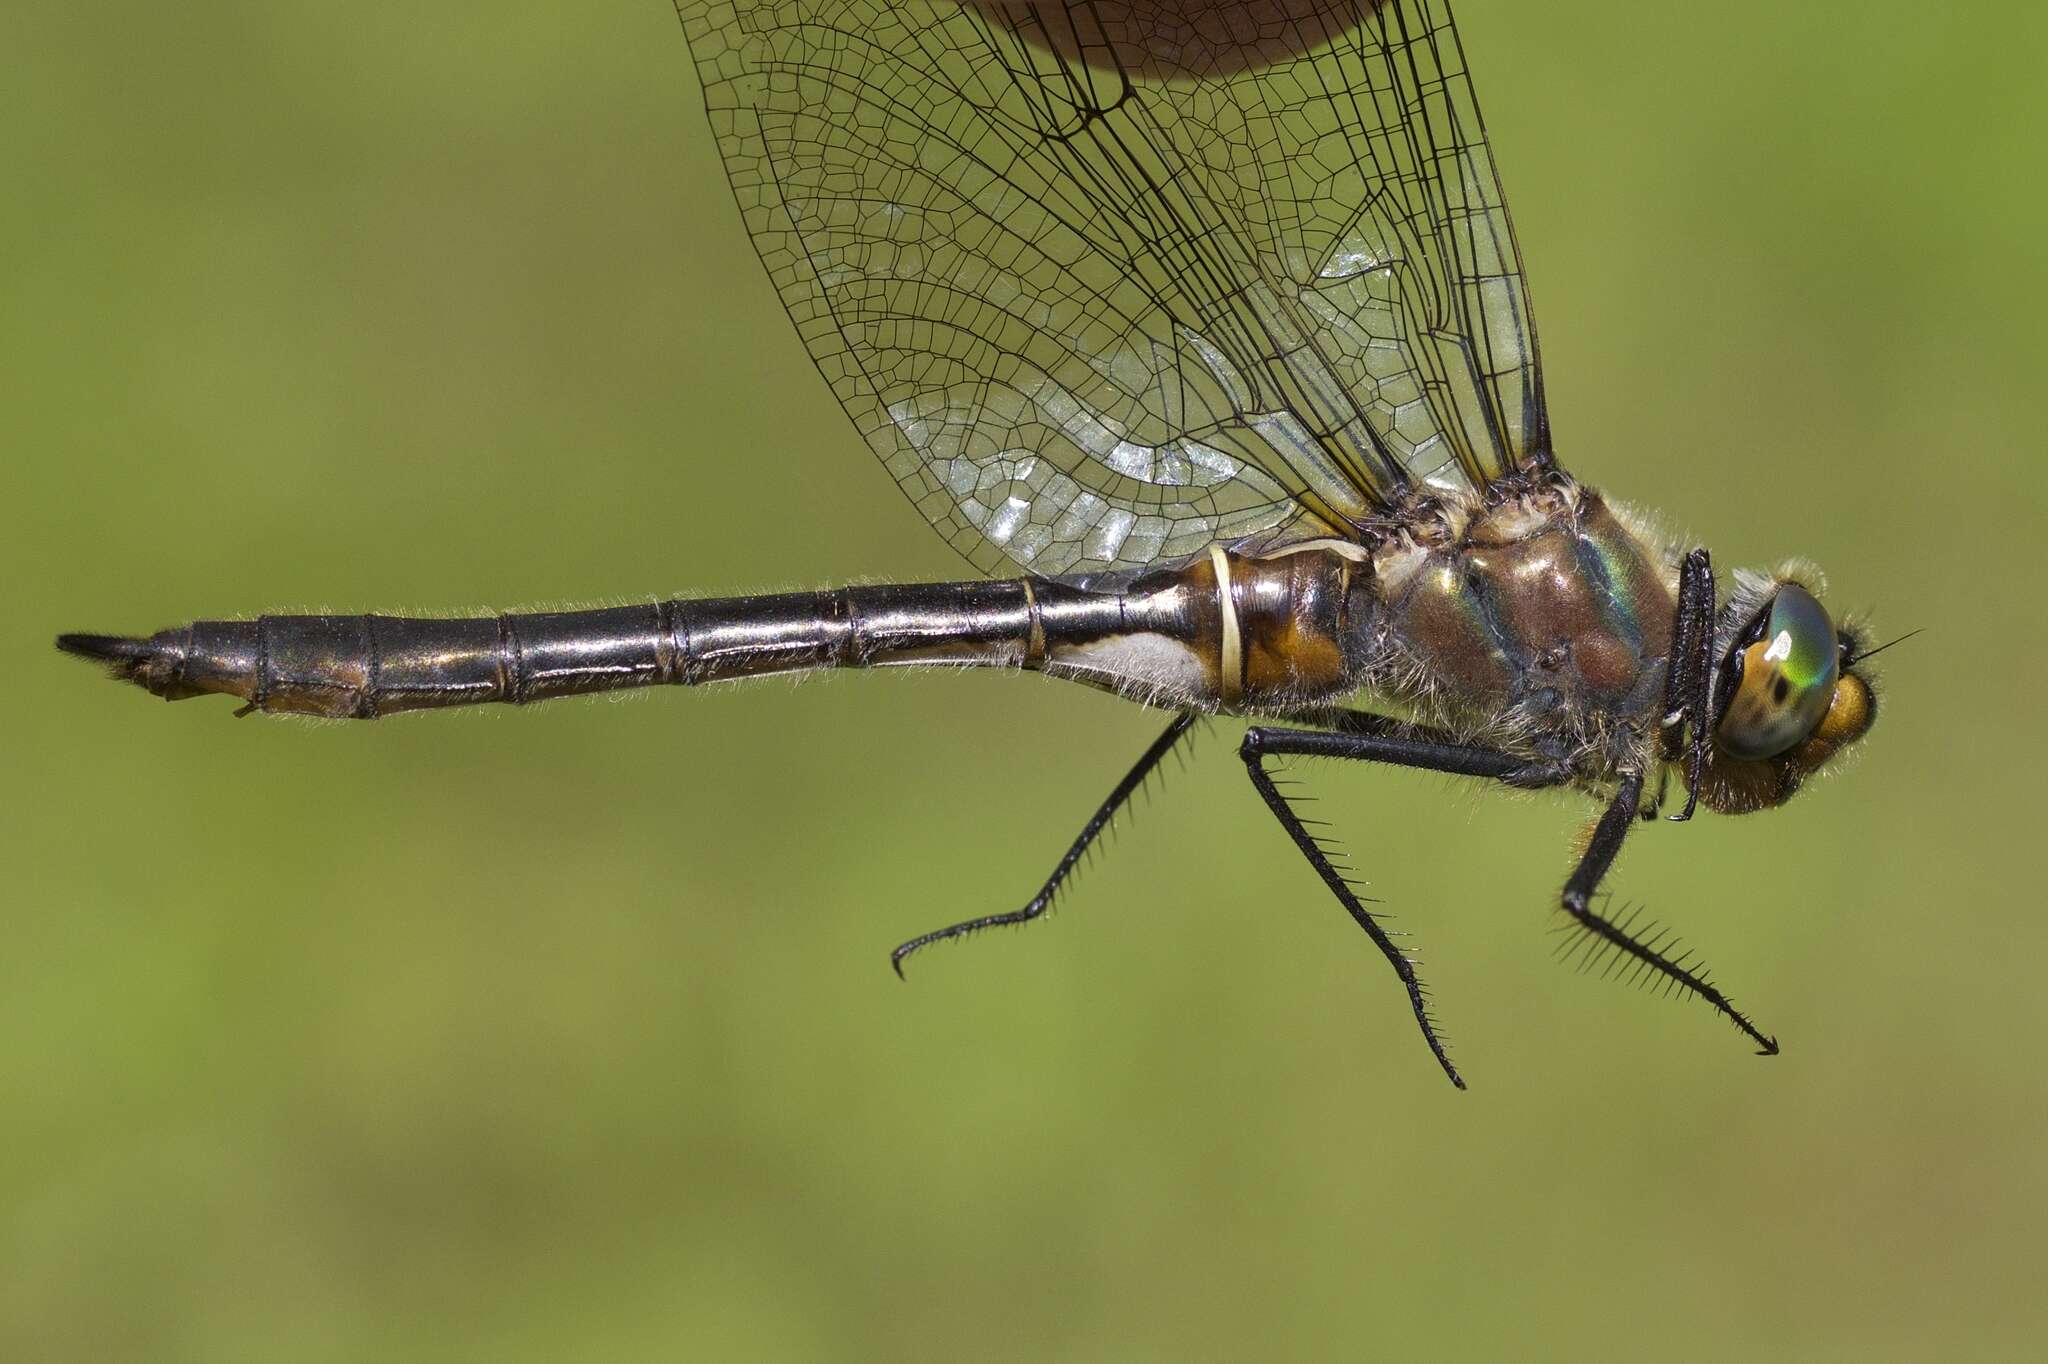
{"points": [[1788, 679]]}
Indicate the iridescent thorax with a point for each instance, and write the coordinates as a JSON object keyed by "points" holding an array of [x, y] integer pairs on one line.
{"points": [[1541, 623]]}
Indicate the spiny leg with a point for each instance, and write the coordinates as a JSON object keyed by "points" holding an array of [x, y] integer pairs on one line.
{"points": [[1378, 739], [1689, 682], [1362, 735], [1090, 831], [1578, 893]]}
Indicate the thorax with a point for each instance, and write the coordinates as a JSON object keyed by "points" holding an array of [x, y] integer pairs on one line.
{"points": [[1540, 622]]}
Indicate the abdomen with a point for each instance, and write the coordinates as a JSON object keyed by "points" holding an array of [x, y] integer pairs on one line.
{"points": [[1218, 633]]}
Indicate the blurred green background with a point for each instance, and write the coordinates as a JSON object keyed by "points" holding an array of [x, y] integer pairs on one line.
{"points": [[568, 1033]]}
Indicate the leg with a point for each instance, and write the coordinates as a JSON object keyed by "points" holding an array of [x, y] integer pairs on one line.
{"points": [[1578, 892], [1097, 822], [1689, 680], [1375, 738]]}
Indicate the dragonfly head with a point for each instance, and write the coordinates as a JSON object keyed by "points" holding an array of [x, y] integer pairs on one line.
{"points": [[1787, 694]]}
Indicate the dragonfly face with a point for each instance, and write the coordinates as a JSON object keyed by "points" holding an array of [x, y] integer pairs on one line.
{"points": [[1203, 328], [1788, 697]]}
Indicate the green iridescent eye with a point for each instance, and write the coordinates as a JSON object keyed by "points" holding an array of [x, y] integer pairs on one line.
{"points": [[1788, 678]]}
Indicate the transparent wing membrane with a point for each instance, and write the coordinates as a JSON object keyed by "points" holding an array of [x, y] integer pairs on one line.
{"points": [[1103, 284]]}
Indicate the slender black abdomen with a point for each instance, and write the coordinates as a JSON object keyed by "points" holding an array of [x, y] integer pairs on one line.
{"points": [[361, 667]]}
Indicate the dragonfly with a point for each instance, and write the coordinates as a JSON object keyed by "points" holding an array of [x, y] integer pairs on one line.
{"points": [[1200, 330]]}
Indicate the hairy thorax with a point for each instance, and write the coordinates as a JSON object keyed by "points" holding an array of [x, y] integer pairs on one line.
{"points": [[1540, 623]]}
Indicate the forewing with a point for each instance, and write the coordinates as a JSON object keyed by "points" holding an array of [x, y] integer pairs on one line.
{"points": [[1103, 284]]}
